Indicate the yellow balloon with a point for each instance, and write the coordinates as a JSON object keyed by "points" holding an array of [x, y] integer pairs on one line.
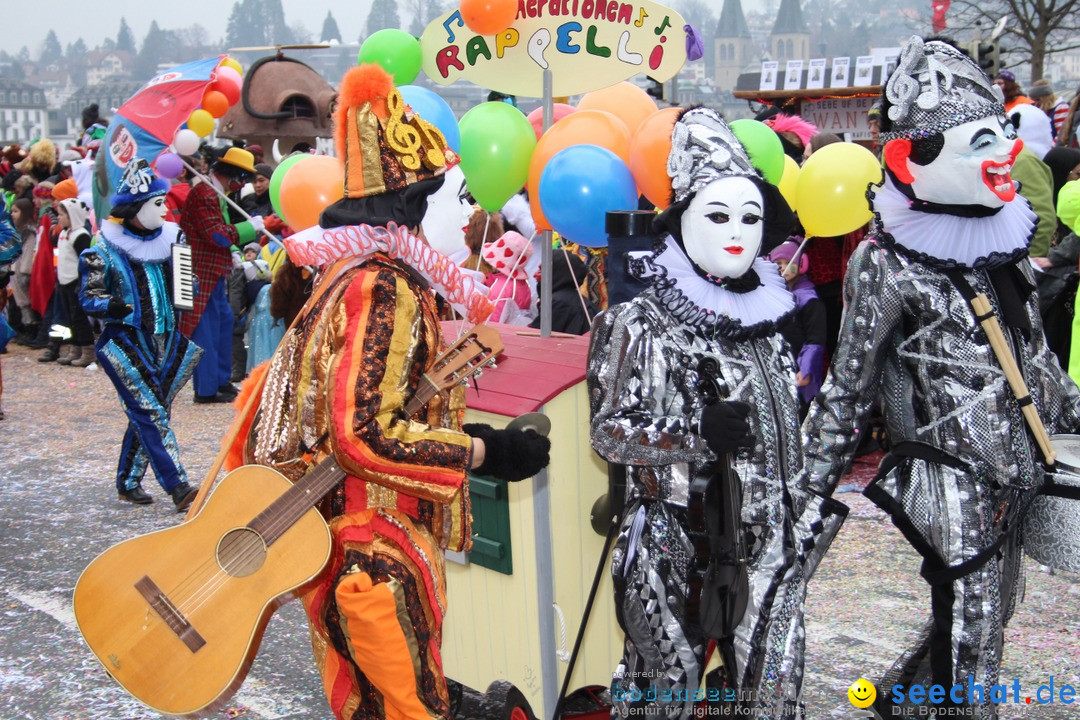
{"points": [[831, 190], [229, 62], [789, 180], [200, 122]]}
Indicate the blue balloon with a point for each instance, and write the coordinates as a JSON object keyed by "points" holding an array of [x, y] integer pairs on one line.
{"points": [[434, 109], [579, 186]]}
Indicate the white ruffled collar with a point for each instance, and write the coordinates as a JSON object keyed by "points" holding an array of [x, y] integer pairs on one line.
{"points": [[713, 309], [952, 241], [151, 248]]}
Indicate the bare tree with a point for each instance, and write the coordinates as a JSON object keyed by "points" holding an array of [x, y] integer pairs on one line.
{"points": [[1034, 29]]}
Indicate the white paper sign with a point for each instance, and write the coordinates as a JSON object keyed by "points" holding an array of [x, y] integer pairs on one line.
{"points": [[839, 116], [769, 71], [840, 67], [815, 79], [864, 71], [793, 75]]}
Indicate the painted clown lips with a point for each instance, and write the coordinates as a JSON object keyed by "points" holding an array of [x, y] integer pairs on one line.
{"points": [[998, 175]]}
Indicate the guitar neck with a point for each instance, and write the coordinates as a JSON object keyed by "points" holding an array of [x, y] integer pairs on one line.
{"points": [[272, 522], [473, 351]]}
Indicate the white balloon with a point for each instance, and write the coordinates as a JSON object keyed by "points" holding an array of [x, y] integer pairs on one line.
{"points": [[186, 142]]}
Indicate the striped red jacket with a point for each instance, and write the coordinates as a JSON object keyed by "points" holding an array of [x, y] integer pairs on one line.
{"points": [[210, 236]]}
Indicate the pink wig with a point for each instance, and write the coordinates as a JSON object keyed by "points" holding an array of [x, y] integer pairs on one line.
{"points": [[793, 124]]}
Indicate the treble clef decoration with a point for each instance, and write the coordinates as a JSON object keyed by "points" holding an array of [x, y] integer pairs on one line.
{"points": [[904, 87], [401, 136], [412, 138]]}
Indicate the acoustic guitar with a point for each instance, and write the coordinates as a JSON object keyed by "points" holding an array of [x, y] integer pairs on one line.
{"points": [[176, 616]]}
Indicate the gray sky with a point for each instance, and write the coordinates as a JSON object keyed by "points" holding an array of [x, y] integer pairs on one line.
{"points": [[26, 22]]}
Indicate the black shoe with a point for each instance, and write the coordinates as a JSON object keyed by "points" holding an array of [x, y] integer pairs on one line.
{"points": [[136, 495], [218, 398], [231, 390], [182, 495]]}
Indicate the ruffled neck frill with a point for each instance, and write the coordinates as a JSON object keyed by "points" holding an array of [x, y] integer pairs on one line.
{"points": [[710, 309], [950, 242], [155, 248]]}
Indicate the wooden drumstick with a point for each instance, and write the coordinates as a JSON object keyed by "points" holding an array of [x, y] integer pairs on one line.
{"points": [[985, 315]]}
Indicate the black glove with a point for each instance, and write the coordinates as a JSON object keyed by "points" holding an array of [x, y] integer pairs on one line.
{"points": [[724, 427], [117, 308], [510, 455]]}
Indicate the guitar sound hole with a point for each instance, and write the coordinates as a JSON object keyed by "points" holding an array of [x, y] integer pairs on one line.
{"points": [[241, 552]]}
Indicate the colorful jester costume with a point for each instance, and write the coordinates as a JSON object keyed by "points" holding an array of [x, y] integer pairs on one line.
{"points": [[126, 281], [337, 385]]}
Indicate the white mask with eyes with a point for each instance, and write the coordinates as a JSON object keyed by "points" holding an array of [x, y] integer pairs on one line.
{"points": [[152, 214], [448, 213], [722, 227], [974, 166]]}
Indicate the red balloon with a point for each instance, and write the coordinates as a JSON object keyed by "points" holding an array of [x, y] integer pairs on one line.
{"points": [[215, 103], [228, 88], [536, 117], [488, 17]]}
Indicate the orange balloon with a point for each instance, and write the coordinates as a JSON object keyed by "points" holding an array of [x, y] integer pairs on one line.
{"points": [[215, 103], [625, 101], [488, 17], [309, 187], [584, 127], [649, 152]]}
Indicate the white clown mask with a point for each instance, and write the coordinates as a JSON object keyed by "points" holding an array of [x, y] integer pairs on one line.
{"points": [[448, 213], [973, 167], [152, 214], [722, 227]]}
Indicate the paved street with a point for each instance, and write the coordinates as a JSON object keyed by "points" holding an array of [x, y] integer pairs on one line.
{"points": [[58, 510]]}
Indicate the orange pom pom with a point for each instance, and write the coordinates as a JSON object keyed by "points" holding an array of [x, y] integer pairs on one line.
{"points": [[361, 84]]}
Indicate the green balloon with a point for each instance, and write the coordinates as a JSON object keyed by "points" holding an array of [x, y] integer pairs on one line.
{"points": [[278, 176], [396, 51], [497, 143], [763, 146]]}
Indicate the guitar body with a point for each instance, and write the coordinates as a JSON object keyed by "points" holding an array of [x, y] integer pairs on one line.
{"points": [[177, 615]]}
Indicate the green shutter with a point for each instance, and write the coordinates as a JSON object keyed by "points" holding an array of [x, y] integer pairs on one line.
{"points": [[491, 525]]}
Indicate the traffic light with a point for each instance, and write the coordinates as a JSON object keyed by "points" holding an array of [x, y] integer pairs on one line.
{"points": [[988, 55]]}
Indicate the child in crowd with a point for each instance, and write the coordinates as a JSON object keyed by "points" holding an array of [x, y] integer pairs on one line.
{"points": [[73, 216], [25, 221], [510, 290], [805, 331]]}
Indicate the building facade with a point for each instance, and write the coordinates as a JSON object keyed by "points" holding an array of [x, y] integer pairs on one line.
{"points": [[23, 113]]}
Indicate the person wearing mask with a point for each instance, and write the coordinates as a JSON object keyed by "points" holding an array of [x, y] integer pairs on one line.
{"points": [[963, 462], [126, 282], [361, 346], [690, 374], [210, 322]]}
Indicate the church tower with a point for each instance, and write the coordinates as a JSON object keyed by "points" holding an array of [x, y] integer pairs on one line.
{"points": [[734, 47], [790, 38]]}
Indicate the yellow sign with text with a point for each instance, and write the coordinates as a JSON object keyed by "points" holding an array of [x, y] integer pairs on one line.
{"points": [[587, 45]]}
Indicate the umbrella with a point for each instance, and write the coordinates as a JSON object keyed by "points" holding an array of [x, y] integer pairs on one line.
{"points": [[144, 126]]}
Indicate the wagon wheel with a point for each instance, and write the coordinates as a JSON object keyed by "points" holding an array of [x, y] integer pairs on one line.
{"points": [[506, 702]]}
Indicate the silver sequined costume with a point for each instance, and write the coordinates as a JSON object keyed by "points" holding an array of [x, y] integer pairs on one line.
{"points": [[964, 463], [645, 407]]}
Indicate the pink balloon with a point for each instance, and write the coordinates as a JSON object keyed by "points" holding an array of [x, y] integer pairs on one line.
{"points": [[536, 117], [168, 165], [229, 83]]}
